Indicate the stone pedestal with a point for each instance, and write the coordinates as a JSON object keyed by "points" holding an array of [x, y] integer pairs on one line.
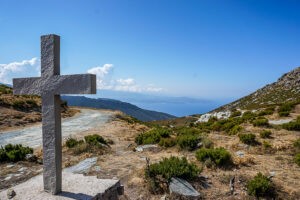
{"points": [[74, 186]]}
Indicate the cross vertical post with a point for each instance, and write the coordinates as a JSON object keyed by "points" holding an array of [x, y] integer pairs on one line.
{"points": [[51, 117]]}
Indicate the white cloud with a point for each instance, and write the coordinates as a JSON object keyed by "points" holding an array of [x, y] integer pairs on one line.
{"points": [[25, 68], [105, 81]]}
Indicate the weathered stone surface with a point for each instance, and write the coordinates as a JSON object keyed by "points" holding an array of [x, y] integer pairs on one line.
{"points": [[74, 186], [182, 189], [50, 85], [83, 166], [149, 147]]}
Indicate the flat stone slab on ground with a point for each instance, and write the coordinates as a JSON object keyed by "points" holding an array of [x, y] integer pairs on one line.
{"points": [[182, 189], [74, 186]]}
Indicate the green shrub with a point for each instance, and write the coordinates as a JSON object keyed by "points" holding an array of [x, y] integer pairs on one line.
{"points": [[296, 145], [71, 142], [235, 129], [260, 186], [265, 134], [207, 143], [267, 111], [248, 138], [236, 113], [297, 159], [167, 142], [14, 153], [153, 136], [261, 121], [292, 126], [248, 116], [219, 156], [285, 109], [266, 145], [5, 89], [188, 141], [173, 167], [95, 139]]}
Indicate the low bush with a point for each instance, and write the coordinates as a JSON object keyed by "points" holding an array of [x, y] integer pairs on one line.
{"points": [[219, 156], [71, 142], [236, 113], [207, 143], [14, 153], [173, 167], [266, 145], [235, 130], [260, 186], [248, 138], [95, 139], [265, 134], [188, 141], [261, 121], [292, 126], [297, 159], [167, 142], [267, 111], [153, 136], [248, 116], [285, 109], [296, 145]]}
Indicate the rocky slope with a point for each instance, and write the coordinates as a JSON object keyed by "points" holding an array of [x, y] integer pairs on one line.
{"points": [[285, 89]]}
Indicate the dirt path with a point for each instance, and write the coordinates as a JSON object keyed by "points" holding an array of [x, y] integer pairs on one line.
{"points": [[32, 135]]}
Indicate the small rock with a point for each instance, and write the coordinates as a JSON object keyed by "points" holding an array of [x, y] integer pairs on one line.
{"points": [[11, 193], [22, 169], [8, 178], [180, 188], [240, 153], [31, 158], [40, 161], [97, 168], [150, 147], [17, 175], [10, 166], [163, 197]]}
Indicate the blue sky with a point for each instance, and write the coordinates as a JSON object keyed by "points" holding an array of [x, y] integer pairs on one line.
{"points": [[206, 49]]}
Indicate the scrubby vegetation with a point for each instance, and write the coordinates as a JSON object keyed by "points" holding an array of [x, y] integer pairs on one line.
{"points": [[297, 159], [219, 156], [71, 142], [5, 89], [260, 186], [293, 125], [159, 173], [265, 134], [285, 109], [91, 143], [14, 153], [267, 111], [188, 141], [167, 142], [248, 138], [260, 121], [152, 136], [236, 113]]}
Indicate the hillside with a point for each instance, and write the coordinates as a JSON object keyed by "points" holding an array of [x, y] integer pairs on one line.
{"points": [[127, 108], [285, 89], [18, 110]]}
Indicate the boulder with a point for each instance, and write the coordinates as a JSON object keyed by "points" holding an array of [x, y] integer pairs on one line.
{"points": [[181, 189]]}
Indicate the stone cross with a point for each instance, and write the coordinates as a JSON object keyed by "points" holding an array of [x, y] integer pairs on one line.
{"points": [[49, 86]]}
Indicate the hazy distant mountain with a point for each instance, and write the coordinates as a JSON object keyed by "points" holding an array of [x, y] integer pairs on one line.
{"points": [[129, 109]]}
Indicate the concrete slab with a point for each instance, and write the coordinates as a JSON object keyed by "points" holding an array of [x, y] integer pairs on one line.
{"points": [[74, 186]]}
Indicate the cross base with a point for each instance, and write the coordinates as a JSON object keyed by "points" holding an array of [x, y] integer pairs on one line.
{"points": [[74, 186]]}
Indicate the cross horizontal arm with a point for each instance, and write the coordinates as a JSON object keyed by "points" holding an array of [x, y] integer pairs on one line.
{"points": [[65, 84], [27, 86], [75, 84]]}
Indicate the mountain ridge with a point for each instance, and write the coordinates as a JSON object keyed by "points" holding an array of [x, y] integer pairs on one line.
{"points": [[127, 108]]}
